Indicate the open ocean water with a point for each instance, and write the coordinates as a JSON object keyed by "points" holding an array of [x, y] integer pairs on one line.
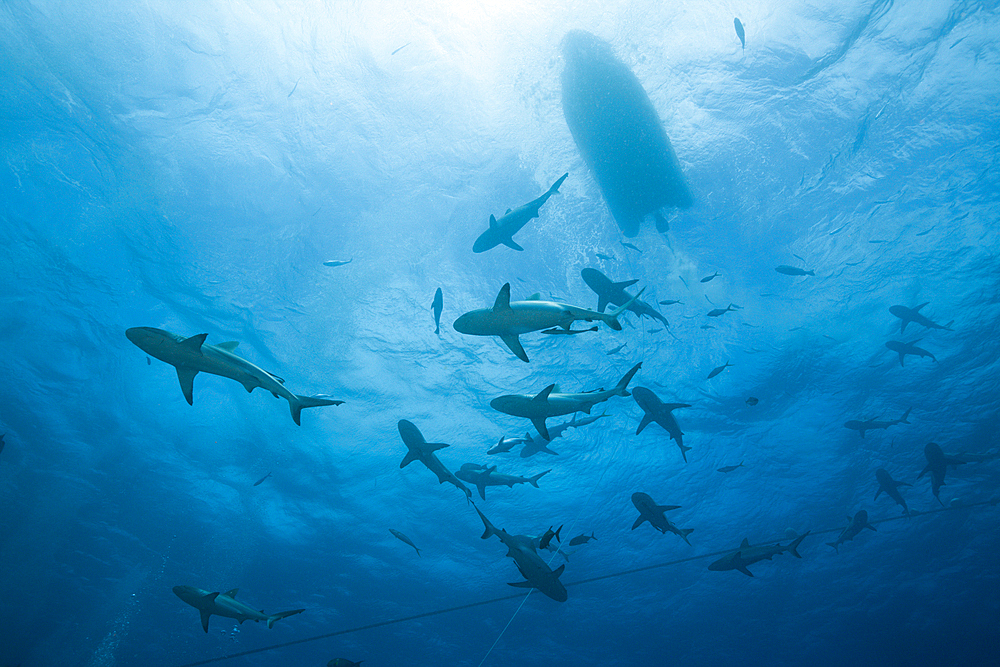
{"points": [[189, 166]]}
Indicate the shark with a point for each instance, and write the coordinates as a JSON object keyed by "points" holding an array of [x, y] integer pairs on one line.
{"points": [[524, 551], [549, 403], [193, 355], [748, 555], [344, 662], [614, 293], [891, 487], [654, 514], [907, 315], [508, 320], [418, 449], [908, 348], [482, 476], [871, 424], [225, 604], [503, 230], [657, 411], [937, 466], [854, 526], [535, 444]]}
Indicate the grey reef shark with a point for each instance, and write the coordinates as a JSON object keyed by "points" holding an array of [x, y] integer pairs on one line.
{"points": [[891, 487], [907, 315], [657, 411], [549, 403], [535, 444], [482, 476], [614, 293], [854, 526], [908, 348], [418, 449], [937, 466], [524, 551], [619, 134], [503, 230], [193, 355], [654, 514], [509, 319], [872, 424], [226, 604], [748, 555]]}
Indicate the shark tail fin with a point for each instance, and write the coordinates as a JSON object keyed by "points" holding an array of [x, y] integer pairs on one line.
{"points": [[555, 186], [308, 402], [611, 318], [902, 420], [621, 389], [948, 326], [834, 545], [793, 547], [558, 539], [534, 480], [280, 615], [810, 273], [685, 532], [684, 450], [490, 529]]}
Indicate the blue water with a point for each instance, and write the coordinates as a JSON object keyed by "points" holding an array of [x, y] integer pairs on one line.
{"points": [[190, 166]]}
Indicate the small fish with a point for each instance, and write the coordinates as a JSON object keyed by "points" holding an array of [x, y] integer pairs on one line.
{"points": [[543, 543], [436, 306], [2, 442], [720, 311], [740, 33], [394, 53], [403, 538], [337, 262], [670, 302], [730, 468], [261, 480], [652, 331], [629, 245], [294, 87], [617, 349], [581, 539], [344, 662], [718, 370], [751, 401], [707, 326], [799, 257], [709, 278], [793, 271], [925, 232], [684, 281], [601, 255], [567, 332], [877, 241]]}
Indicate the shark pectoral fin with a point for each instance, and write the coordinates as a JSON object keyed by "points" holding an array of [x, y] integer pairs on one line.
{"points": [[502, 302], [743, 568], [539, 424], [514, 343], [232, 593], [521, 584], [646, 421], [638, 522], [901, 356], [870, 527], [410, 457], [195, 342], [434, 446], [602, 303], [205, 615], [508, 211], [667, 508], [186, 378], [917, 309], [559, 570], [510, 244], [877, 493], [482, 490]]}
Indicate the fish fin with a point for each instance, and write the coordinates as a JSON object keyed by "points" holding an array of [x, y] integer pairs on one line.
{"points": [[917, 309], [308, 402], [684, 451], [543, 395], [186, 377], [743, 568], [903, 484], [508, 211], [194, 342], [871, 527], [534, 480], [877, 493], [280, 615], [539, 424], [510, 244], [793, 547], [901, 356], [902, 420], [667, 508], [514, 343], [638, 522], [205, 615], [745, 543], [646, 421], [502, 302], [410, 457], [521, 584], [834, 545], [625, 283], [493, 221], [621, 389], [232, 593], [482, 490], [559, 570], [685, 532], [555, 186], [229, 345], [602, 303]]}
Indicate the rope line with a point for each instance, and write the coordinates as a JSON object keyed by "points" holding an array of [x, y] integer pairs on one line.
{"points": [[622, 573]]}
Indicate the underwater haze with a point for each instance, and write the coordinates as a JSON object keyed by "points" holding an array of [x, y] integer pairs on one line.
{"points": [[301, 177]]}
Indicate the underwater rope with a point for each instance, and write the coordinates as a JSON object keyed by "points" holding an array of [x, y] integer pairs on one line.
{"points": [[612, 575]]}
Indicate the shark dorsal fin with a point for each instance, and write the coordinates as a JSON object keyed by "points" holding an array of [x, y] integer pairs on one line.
{"points": [[559, 570], [195, 342], [232, 593], [543, 395], [508, 211], [917, 309], [745, 543], [503, 299], [493, 221], [229, 345], [626, 283], [537, 296]]}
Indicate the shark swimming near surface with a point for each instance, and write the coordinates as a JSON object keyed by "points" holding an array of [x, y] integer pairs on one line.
{"points": [[655, 410], [436, 306], [503, 230], [509, 319], [524, 551], [854, 526], [872, 424], [614, 293], [549, 403], [748, 555], [891, 487], [907, 315], [654, 514], [191, 356], [908, 348], [482, 476], [418, 449], [937, 466], [225, 604]]}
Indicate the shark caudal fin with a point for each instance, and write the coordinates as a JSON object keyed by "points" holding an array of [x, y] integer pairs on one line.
{"points": [[685, 532], [834, 545], [534, 480], [621, 389], [793, 547], [308, 402], [684, 450], [280, 615], [555, 186], [490, 528], [902, 420], [611, 319]]}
